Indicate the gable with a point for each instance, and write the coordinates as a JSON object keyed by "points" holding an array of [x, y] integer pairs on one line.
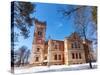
{"points": [[74, 37]]}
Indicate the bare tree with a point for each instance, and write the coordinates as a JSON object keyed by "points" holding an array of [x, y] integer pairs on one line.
{"points": [[26, 58], [21, 56], [81, 22], [85, 19]]}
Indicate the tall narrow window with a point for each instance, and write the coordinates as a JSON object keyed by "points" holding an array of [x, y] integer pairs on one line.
{"points": [[73, 57], [59, 57], [55, 57], [80, 55], [75, 44], [72, 45], [37, 59], [38, 49], [76, 56]]}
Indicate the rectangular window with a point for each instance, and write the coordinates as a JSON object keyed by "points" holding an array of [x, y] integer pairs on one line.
{"points": [[45, 58], [55, 57], [75, 45], [80, 55], [59, 57], [38, 49], [76, 56], [73, 57], [72, 45], [37, 59]]}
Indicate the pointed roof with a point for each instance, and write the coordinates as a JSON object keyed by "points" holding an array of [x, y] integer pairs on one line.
{"points": [[74, 36]]}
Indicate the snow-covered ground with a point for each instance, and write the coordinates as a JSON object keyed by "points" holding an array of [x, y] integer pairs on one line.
{"points": [[54, 68]]}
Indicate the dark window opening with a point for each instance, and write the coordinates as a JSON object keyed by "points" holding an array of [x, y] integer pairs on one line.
{"points": [[80, 55], [75, 45], [38, 49], [76, 56], [39, 33], [55, 57], [73, 57], [59, 57], [45, 58], [37, 59]]}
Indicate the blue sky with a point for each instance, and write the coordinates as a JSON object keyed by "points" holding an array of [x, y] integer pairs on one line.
{"points": [[57, 26]]}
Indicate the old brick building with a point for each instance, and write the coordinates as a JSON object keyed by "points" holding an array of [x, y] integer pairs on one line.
{"points": [[71, 50]]}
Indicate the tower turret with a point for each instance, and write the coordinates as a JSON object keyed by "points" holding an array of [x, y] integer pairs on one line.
{"points": [[38, 42]]}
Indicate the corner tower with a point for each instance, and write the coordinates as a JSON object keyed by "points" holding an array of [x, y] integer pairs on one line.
{"points": [[38, 43]]}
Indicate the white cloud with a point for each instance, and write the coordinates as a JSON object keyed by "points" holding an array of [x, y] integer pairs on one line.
{"points": [[59, 25]]}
